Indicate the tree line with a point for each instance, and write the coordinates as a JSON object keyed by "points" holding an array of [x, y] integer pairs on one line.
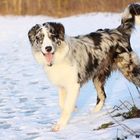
{"points": [[60, 8]]}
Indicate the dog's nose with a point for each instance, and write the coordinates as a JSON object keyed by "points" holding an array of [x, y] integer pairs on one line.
{"points": [[48, 48]]}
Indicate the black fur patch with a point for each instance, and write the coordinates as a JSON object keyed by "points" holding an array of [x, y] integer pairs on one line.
{"points": [[95, 62], [100, 30], [105, 74], [92, 64], [120, 49], [135, 9], [113, 53], [39, 38], [98, 100], [129, 48], [32, 33], [79, 77], [56, 29], [77, 37], [104, 30], [96, 37], [136, 71]]}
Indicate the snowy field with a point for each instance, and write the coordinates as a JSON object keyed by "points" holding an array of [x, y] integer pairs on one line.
{"points": [[29, 103]]}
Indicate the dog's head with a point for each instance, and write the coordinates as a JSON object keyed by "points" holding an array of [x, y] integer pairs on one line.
{"points": [[46, 39]]}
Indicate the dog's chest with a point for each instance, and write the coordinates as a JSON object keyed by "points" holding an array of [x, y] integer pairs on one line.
{"points": [[62, 74]]}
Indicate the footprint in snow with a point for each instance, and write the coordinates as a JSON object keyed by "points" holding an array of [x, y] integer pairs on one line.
{"points": [[4, 125]]}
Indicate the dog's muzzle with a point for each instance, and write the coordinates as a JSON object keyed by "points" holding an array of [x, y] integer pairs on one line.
{"points": [[48, 54]]}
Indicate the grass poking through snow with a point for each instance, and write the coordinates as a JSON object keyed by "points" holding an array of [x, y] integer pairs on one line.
{"points": [[104, 126]]}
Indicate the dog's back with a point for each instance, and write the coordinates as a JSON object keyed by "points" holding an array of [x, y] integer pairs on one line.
{"points": [[123, 57], [111, 50]]}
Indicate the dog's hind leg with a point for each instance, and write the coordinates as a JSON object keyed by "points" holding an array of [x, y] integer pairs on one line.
{"points": [[129, 65], [99, 82], [100, 94]]}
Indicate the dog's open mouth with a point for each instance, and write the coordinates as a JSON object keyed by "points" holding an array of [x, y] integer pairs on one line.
{"points": [[49, 58]]}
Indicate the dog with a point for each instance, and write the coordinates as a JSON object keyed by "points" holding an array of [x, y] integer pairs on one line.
{"points": [[71, 61]]}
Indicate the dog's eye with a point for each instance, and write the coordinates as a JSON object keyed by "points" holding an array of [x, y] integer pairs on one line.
{"points": [[37, 37], [52, 32]]}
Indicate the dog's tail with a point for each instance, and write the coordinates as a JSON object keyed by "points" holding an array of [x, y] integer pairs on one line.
{"points": [[130, 17]]}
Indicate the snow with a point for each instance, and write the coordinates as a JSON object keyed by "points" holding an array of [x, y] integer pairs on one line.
{"points": [[29, 103]]}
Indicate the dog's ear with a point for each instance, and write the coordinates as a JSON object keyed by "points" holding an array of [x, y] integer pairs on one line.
{"points": [[32, 33], [56, 29]]}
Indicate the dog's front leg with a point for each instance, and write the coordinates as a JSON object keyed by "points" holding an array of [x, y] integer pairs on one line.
{"points": [[62, 97], [72, 93]]}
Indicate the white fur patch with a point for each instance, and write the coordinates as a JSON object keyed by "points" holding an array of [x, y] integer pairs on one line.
{"points": [[39, 57], [137, 20], [46, 41], [62, 74]]}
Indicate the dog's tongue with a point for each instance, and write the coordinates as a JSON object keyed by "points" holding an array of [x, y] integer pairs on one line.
{"points": [[49, 57]]}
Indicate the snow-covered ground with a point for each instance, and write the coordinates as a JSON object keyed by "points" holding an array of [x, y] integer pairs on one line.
{"points": [[29, 103]]}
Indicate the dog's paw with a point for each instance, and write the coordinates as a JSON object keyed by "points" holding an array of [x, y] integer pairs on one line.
{"points": [[98, 107], [57, 128]]}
